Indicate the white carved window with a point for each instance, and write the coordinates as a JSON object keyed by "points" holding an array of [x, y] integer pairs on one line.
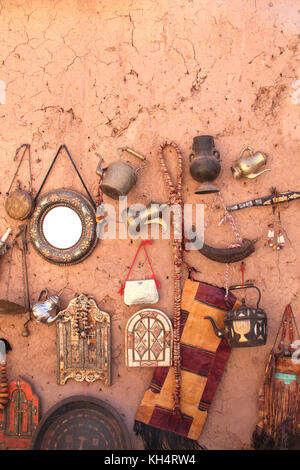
{"points": [[149, 339]]}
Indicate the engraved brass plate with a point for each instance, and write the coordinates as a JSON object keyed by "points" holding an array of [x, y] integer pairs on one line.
{"points": [[81, 423]]}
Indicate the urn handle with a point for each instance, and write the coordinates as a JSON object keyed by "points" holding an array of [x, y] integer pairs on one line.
{"points": [[246, 286], [217, 153]]}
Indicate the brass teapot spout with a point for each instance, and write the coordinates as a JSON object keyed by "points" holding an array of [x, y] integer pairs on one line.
{"points": [[246, 166], [218, 332]]}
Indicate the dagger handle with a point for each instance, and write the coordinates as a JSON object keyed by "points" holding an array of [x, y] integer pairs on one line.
{"points": [[4, 395]]}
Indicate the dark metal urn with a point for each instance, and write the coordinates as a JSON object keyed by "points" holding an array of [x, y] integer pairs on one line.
{"points": [[244, 327], [205, 163]]}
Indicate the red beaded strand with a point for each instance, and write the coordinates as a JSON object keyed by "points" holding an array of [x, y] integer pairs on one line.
{"points": [[175, 197]]}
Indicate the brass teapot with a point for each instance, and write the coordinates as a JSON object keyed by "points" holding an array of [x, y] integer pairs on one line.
{"points": [[245, 326], [45, 310], [119, 177], [205, 163], [245, 166]]}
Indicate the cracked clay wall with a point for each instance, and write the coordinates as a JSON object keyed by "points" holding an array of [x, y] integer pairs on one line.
{"points": [[97, 75]]}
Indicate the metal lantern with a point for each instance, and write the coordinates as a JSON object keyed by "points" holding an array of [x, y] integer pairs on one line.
{"points": [[244, 327]]}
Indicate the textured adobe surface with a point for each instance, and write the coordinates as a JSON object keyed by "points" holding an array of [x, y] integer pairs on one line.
{"points": [[99, 75]]}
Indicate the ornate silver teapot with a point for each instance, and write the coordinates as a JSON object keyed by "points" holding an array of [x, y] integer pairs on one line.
{"points": [[44, 311], [245, 326]]}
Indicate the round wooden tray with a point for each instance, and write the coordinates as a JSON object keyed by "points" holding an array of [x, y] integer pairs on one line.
{"points": [[81, 423]]}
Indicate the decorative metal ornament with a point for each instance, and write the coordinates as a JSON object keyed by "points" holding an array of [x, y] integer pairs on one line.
{"points": [[54, 246], [119, 177], [149, 339], [245, 326], [205, 163], [20, 417], [44, 311], [247, 166], [83, 342], [81, 423]]}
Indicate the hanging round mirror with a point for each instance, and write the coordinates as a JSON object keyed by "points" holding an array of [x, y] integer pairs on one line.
{"points": [[63, 227]]}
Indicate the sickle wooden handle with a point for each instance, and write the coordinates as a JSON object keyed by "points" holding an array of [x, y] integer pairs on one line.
{"points": [[227, 255], [3, 387]]}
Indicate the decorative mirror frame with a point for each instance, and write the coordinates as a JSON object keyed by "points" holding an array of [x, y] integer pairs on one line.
{"points": [[86, 212]]}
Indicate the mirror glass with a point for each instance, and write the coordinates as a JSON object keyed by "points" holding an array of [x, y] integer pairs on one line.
{"points": [[62, 227]]}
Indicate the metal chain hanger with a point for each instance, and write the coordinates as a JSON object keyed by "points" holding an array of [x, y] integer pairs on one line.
{"points": [[22, 234]]}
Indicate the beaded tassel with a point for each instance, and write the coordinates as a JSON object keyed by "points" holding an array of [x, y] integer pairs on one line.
{"points": [[280, 240], [271, 234], [3, 387]]}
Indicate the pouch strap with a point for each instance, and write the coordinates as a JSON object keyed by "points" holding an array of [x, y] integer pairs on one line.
{"points": [[142, 244], [72, 161], [26, 147]]}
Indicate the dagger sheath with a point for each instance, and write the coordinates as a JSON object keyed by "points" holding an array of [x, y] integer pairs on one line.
{"points": [[266, 201]]}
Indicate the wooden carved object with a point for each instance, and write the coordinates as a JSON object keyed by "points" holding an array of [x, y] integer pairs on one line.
{"points": [[83, 342], [149, 339], [20, 417]]}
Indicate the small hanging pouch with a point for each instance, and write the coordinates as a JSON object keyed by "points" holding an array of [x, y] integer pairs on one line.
{"points": [[19, 204], [143, 291]]}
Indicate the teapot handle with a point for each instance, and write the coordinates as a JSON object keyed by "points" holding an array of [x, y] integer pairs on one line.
{"points": [[244, 149], [43, 291], [247, 286], [135, 154]]}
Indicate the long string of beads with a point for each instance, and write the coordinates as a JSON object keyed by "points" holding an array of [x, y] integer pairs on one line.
{"points": [[3, 387], [175, 197]]}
